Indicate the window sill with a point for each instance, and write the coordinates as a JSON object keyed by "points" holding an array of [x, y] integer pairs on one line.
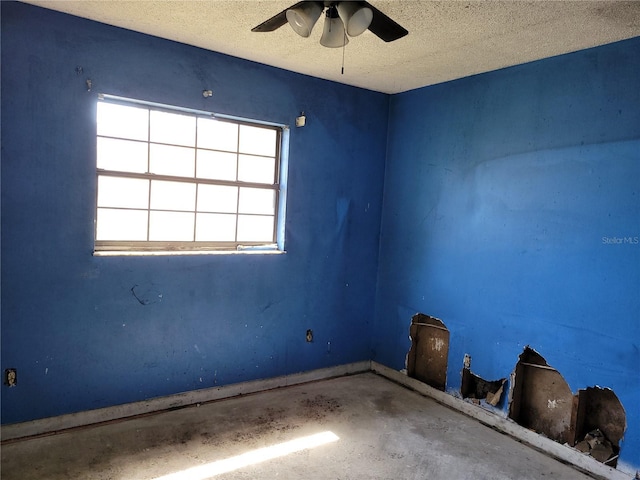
{"points": [[184, 253]]}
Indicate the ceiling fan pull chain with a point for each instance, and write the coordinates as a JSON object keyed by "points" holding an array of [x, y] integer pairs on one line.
{"points": [[344, 43]]}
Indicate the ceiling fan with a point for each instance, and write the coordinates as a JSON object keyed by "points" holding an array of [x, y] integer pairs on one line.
{"points": [[342, 20]]}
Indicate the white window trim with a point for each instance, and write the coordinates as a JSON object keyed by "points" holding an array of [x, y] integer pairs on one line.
{"points": [[154, 248]]}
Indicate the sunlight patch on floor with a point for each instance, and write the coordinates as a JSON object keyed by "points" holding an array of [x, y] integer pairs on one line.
{"points": [[253, 457]]}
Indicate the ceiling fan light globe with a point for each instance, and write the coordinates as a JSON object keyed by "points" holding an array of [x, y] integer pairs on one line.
{"points": [[333, 34], [355, 17], [302, 19]]}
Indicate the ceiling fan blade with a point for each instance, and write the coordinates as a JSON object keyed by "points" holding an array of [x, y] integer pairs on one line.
{"points": [[276, 21], [383, 27]]}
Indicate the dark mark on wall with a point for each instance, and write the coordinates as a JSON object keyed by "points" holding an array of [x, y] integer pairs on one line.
{"points": [[146, 296]]}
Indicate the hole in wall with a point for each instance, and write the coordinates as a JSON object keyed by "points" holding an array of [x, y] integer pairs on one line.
{"points": [[429, 352], [11, 377], [540, 398], [477, 388], [593, 420], [600, 423]]}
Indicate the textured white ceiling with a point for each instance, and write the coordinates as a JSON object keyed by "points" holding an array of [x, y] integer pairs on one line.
{"points": [[447, 39]]}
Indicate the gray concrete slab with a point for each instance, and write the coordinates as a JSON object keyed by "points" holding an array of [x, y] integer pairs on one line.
{"points": [[373, 428]]}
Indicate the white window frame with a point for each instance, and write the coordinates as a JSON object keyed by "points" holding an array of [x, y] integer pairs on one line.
{"points": [[151, 247]]}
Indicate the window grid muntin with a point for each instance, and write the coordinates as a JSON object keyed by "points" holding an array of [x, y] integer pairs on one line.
{"points": [[127, 245], [237, 168]]}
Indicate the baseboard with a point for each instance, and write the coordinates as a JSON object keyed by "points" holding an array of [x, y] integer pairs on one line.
{"points": [[555, 450], [52, 425]]}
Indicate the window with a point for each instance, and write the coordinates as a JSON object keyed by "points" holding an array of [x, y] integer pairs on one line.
{"points": [[176, 180]]}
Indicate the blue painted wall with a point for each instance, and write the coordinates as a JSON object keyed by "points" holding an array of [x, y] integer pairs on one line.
{"points": [[499, 190], [70, 323]]}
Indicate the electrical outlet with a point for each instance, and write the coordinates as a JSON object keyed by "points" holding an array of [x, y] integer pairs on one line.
{"points": [[309, 335], [467, 361], [10, 377]]}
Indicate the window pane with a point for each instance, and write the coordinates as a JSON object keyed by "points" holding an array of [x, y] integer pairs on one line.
{"points": [[217, 198], [121, 224], [122, 192], [217, 165], [217, 135], [173, 195], [171, 226], [122, 155], [256, 169], [255, 228], [256, 140], [174, 175], [168, 160], [173, 128], [211, 227], [257, 200], [123, 121]]}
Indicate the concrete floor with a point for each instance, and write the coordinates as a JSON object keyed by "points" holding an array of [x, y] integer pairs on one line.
{"points": [[378, 430]]}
